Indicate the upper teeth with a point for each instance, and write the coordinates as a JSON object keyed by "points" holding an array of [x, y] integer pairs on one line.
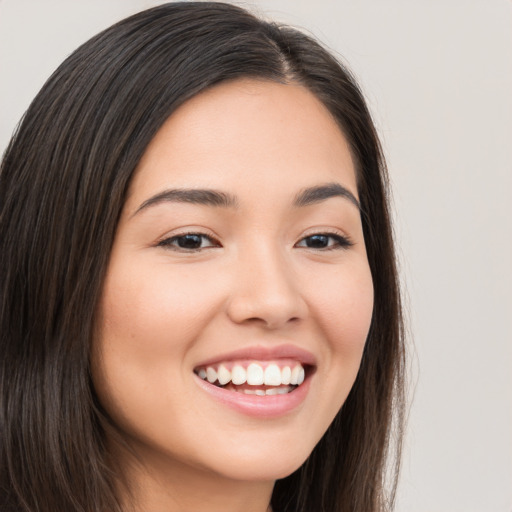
{"points": [[254, 375]]}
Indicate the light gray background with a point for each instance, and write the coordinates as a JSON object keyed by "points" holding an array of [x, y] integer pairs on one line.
{"points": [[438, 77]]}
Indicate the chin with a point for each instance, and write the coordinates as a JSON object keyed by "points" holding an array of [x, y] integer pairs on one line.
{"points": [[262, 470], [263, 461]]}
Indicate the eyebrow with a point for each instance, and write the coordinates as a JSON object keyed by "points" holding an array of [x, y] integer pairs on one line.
{"points": [[312, 195], [206, 197], [210, 197]]}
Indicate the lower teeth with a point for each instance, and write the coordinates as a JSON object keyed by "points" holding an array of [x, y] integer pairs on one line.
{"points": [[262, 392]]}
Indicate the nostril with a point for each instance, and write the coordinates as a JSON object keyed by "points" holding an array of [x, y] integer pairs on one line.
{"points": [[269, 297], [272, 319]]}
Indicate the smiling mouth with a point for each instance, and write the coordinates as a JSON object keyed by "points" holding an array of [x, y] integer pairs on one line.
{"points": [[254, 377]]}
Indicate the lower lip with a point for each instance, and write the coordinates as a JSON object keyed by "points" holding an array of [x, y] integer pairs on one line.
{"points": [[268, 406]]}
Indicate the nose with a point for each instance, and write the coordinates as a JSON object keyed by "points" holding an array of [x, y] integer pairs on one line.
{"points": [[266, 291]]}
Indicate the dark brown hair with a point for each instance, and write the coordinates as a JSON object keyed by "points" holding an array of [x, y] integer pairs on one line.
{"points": [[63, 182]]}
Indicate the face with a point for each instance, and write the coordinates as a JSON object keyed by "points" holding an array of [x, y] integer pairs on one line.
{"points": [[238, 295]]}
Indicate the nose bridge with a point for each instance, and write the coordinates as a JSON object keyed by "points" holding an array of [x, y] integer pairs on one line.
{"points": [[265, 289]]}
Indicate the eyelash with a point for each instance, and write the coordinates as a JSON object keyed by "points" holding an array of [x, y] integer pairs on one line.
{"points": [[168, 242], [340, 242]]}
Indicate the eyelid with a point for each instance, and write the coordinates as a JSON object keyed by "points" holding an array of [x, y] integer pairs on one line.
{"points": [[165, 241], [344, 241]]}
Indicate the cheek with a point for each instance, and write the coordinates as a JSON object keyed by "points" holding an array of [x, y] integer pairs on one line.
{"points": [[149, 318], [344, 306], [341, 301], [147, 321], [151, 311]]}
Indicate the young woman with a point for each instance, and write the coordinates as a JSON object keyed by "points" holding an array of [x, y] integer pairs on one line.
{"points": [[199, 308]]}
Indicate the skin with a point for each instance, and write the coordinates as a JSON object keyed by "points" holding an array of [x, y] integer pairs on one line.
{"points": [[254, 282]]}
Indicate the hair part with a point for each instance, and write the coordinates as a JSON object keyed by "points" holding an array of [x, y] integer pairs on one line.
{"points": [[63, 183]]}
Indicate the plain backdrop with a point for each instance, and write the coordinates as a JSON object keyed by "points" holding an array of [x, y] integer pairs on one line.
{"points": [[438, 78]]}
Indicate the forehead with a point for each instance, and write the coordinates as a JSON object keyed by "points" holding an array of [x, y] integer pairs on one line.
{"points": [[243, 136]]}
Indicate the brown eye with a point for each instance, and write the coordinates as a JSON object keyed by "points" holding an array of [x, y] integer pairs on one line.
{"points": [[317, 241], [189, 242], [326, 241]]}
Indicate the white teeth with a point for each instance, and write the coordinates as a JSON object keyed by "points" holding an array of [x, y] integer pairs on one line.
{"points": [[302, 375], [294, 378], [272, 391], [286, 374], [238, 375], [223, 374], [272, 375], [254, 375], [211, 374]]}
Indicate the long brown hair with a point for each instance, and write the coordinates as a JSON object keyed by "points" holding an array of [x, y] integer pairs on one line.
{"points": [[63, 182]]}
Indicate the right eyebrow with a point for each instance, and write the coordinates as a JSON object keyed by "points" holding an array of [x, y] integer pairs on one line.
{"points": [[206, 197]]}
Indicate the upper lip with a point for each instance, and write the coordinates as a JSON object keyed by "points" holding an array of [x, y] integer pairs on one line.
{"points": [[264, 353]]}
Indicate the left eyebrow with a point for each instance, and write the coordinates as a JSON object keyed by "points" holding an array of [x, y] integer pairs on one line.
{"points": [[312, 195]]}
